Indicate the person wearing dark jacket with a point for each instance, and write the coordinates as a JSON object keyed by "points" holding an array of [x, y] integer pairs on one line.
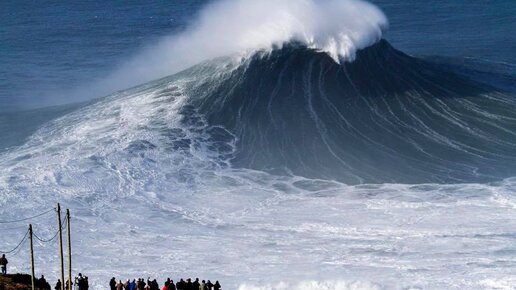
{"points": [[154, 285], [112, 283], [188, 284], [196, 284], [42, 281], [216, 286], [209, 284], [79, 282], [3, 263], [58, 285], [180, 285], [171, 285]]}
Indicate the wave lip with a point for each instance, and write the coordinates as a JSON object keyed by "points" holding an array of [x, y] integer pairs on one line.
{"points": [[338, 28]]}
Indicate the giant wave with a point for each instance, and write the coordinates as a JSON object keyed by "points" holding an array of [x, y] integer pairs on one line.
{"points": [[362, 168], [386, 117]]}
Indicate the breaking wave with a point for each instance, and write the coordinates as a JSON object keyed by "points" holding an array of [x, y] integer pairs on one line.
{"points": [[337, 27], [282, 159], [386, 117]]}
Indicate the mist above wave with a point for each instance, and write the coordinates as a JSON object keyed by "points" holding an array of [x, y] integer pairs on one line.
{"points": [[337, 27]]}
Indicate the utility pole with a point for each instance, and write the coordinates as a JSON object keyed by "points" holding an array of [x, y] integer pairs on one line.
{"points": [[69, 250], [60, 244], [31, 256]]}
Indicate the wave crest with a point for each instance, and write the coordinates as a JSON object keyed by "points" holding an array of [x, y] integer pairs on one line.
{"points": [[337, 27]]}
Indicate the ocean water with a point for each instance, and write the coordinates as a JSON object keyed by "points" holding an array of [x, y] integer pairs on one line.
{"points": [[269, 145]]}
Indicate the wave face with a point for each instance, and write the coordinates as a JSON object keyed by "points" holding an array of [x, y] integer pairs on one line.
{"points": [[386, 117]]}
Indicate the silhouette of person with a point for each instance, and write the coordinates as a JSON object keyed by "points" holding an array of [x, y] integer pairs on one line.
{"points": [[154, 285], [171, 285], [209, 284], [43, 284], [196, 284], [80, 282], [58, 285], [180, 285], [67, 283], [217, 286], [42, 280], [112, 283], [141, 285], [3, 263]]}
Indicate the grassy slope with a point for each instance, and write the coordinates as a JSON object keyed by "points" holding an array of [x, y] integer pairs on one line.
{"points": [[15, 282]]}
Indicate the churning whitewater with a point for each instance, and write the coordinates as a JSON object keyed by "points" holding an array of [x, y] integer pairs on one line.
{"points": [[295, 150]]}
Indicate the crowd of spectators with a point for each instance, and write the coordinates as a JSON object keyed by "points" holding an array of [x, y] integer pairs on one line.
{"points": [[181, 284]]}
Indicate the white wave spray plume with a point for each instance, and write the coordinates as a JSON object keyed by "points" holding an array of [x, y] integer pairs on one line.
{"points": [[337, 27]]}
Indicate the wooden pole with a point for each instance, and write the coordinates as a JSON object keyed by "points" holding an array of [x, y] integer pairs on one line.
{"points": [[31, 256], [69, 250], [60, 244]]}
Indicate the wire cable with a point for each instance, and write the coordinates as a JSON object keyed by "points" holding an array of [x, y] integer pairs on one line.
{"points": [[52, 238], [19, 244], [20, 248], [45, 240], [27, 218]]}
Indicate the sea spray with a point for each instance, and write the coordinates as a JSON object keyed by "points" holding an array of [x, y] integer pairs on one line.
{"points": [[337, 27]]}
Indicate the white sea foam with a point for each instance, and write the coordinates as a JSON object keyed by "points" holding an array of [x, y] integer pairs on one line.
{"points": [[315, 285], [337, 27]]}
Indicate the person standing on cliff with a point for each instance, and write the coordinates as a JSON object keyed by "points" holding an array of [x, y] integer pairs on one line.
{"points": [[112, 283], [217, 286], [58, 285], [3, 263]]}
